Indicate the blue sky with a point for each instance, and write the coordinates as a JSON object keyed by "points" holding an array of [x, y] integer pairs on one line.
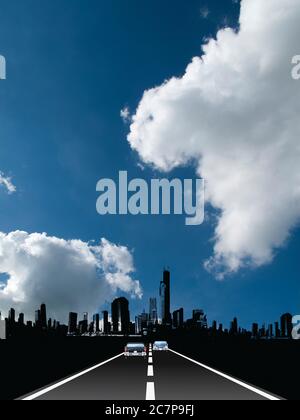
{"points": [[71, 67]]}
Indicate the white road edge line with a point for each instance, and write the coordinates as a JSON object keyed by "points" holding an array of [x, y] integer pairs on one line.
{"points": [[150, 393], [229, 378], [150, 371], [65, 381]]}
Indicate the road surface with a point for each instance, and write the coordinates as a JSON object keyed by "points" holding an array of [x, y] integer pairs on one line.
{"points": [[163, 376]]}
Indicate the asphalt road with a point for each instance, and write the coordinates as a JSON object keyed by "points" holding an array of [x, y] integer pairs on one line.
{"points": [[163, 376]]}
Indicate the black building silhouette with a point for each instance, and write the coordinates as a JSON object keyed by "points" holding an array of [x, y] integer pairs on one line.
{"points": [[199, 319], [21, 319], [271, 331], [84, 324], [234, 328], [38, 322], [255, 330], [12, 316], [214, 326], [96, 323], [153, 315], [105, 323], [165, 297], [286, 325], [43, 316], [72, 327], [120, 316], [178, 318], [277, 330], [142, 323]]}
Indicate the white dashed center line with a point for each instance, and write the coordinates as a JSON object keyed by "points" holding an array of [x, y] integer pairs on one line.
{"points": [[150, 394], [150, 371]]}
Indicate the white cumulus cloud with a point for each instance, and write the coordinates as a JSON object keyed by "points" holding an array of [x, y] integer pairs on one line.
{"points": [[7, 183], [68, 275], [235, 113]]}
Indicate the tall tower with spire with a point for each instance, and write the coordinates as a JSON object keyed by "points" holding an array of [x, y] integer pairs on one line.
{"points": [[165, 298]]}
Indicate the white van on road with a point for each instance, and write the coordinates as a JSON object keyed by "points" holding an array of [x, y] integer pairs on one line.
{"points": [[135, 350], [160, 346]]}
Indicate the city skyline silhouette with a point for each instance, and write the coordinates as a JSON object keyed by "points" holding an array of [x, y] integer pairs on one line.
{"points": [[120, 322]]}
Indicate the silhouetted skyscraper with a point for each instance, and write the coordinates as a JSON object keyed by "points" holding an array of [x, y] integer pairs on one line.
{"points": [[141, 322], [43, 316], [286, 325], [277, 330], [255, 330], [21, 319], [56, 325], [178, 318], [84, 324], [199, 318], [153, 316], [197, 314], [120, 316], [91, 328], [105, 322], [96, 322], [12, 316], [165, 297], [38, 323], [234, 327], [270, 331], [72, 328], [263, 331]]}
